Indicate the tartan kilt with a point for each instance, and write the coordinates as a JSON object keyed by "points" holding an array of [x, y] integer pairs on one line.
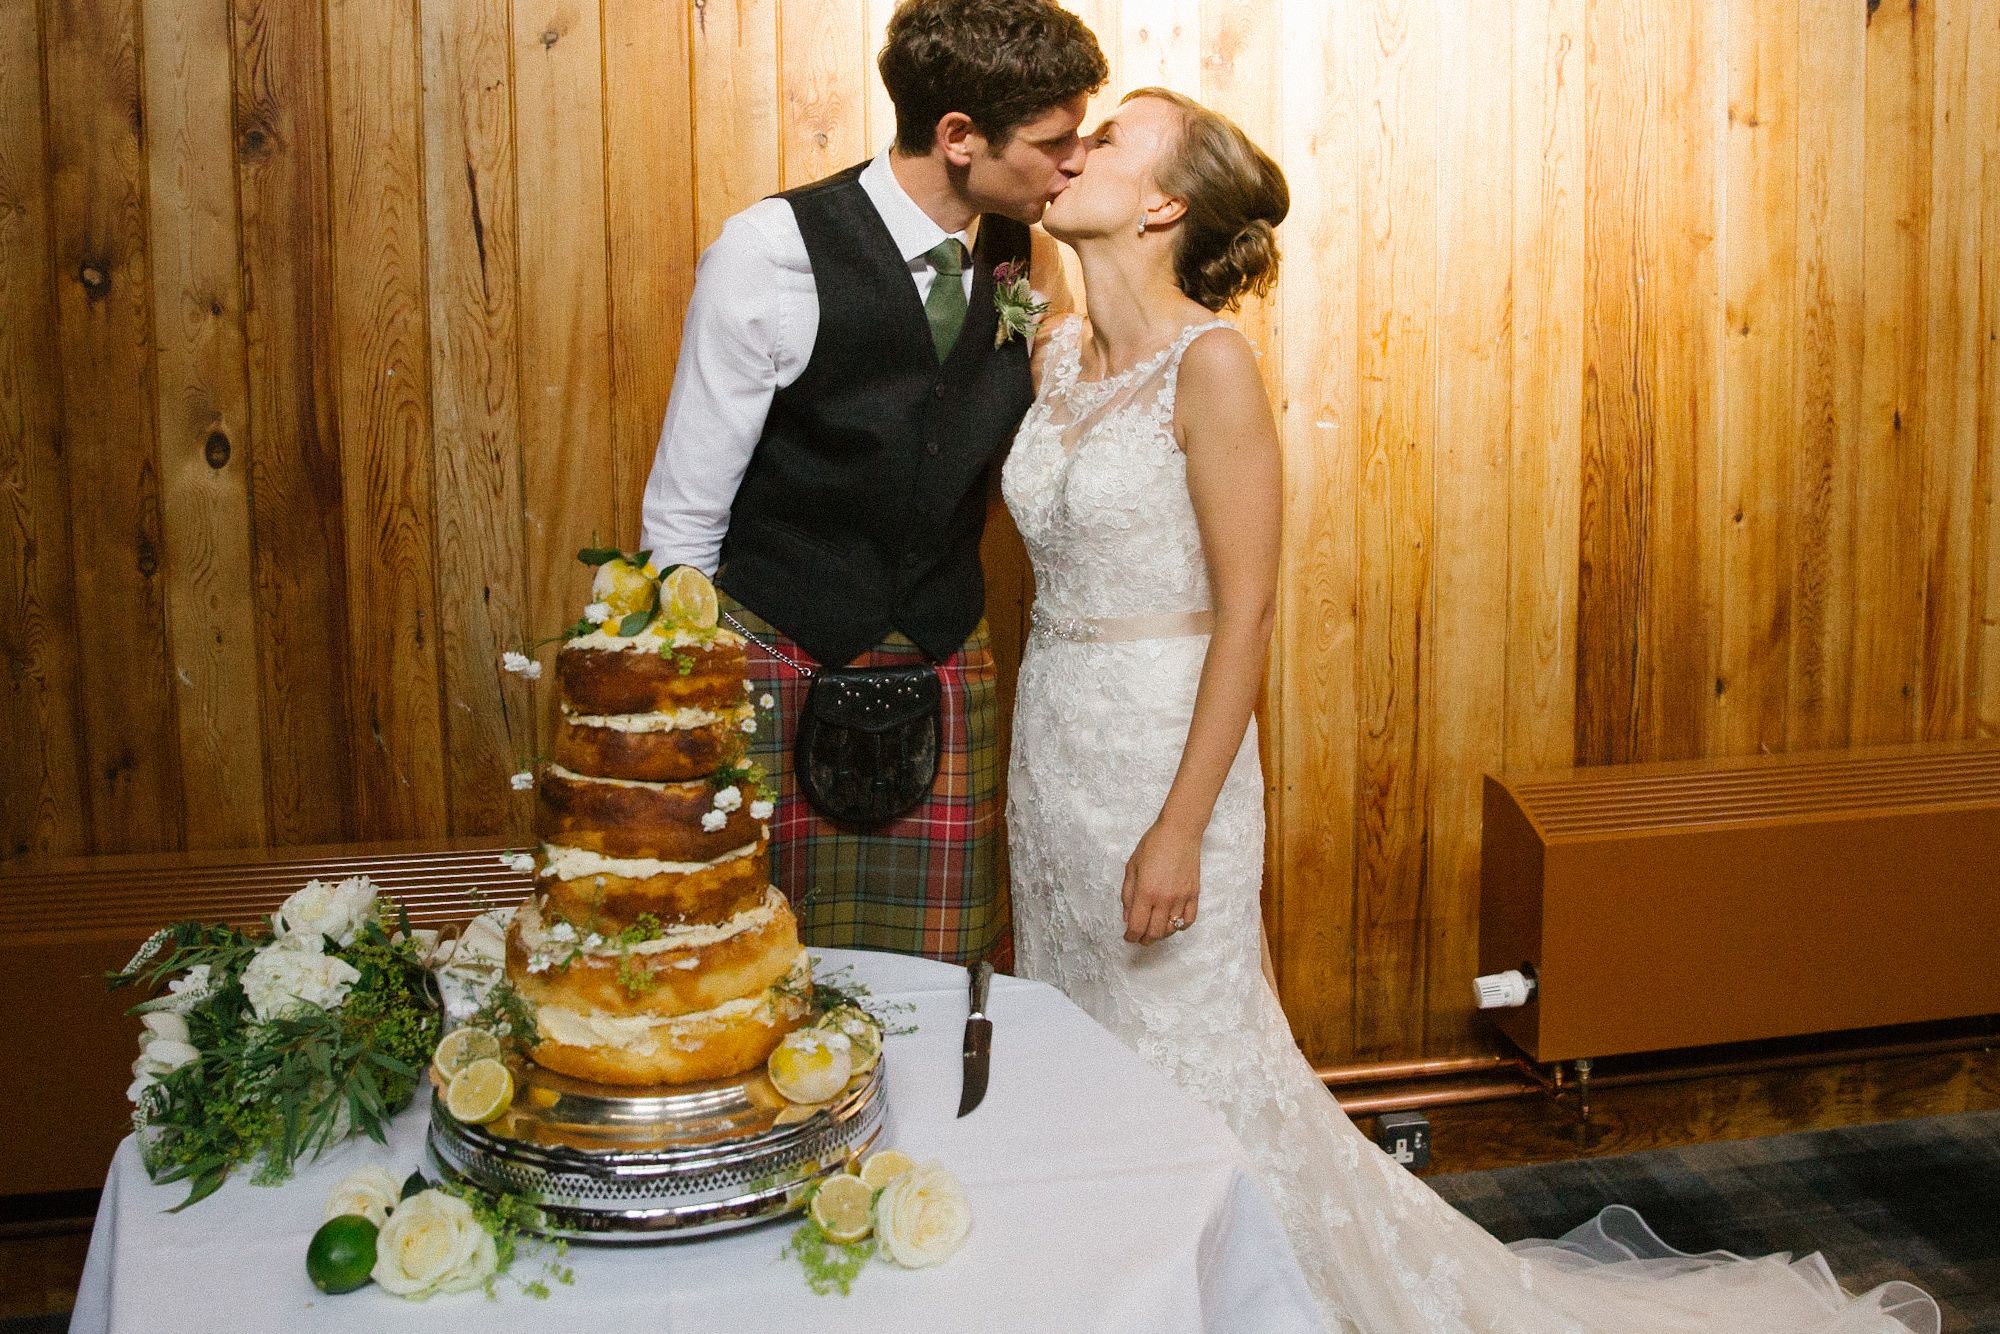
{"points": [[927, 883]]}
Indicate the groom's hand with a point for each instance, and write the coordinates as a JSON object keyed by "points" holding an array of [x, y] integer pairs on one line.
{"points": [[1162, 884]]}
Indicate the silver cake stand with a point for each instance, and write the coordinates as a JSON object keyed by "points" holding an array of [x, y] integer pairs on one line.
{"points": [[623, 1165]]}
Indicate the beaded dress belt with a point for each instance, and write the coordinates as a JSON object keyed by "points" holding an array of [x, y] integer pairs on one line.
{"points": [[1119, 629]]}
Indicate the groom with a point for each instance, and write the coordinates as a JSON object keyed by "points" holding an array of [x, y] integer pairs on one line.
{"points": [[841, 400]]}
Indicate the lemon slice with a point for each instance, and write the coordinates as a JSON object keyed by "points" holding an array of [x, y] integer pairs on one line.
{"points": [[623, 587], [811, 1065], [481, 1093], [461, 1047], [689, 598], [793, 1112], [843, 1208], [879, 1169]]}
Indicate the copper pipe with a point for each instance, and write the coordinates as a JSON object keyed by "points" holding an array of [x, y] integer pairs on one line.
{"points": [[1443, 1095], [1414, 1095], [1383, 1071]]}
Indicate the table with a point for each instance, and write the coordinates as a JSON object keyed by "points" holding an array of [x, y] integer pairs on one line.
{"points": [[1103, 1198]]}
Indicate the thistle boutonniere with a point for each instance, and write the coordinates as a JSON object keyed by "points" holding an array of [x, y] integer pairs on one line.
{"points": [[1019, 311]]}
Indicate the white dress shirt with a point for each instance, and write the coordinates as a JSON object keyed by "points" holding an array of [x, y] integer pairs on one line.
{"points": [[749, 332]]}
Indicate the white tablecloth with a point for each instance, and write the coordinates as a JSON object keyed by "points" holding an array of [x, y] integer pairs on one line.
{"points": [[1103, 1199]]}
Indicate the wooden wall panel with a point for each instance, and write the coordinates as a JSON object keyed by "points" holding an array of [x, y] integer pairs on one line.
{"points": [[569, 467], [298, 512], [1888, 565], [202, 410], [1313, 744], [649, 149], [1827, 399], [43, 809], [1637, 370], [1397, 444], [1464, 704], [472, 253], [374, 111], [104, 329]]}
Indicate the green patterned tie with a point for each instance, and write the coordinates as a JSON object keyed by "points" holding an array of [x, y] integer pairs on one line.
{"points": [[945, 306]]}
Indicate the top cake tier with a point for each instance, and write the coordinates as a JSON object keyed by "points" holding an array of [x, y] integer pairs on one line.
{"points": [[655, 708]]}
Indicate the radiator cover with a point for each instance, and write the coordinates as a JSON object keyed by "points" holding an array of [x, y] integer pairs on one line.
{"points": [[1686, 904]]}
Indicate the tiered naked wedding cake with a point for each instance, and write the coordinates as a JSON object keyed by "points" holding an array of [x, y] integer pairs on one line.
{"points": [[654, 950]]}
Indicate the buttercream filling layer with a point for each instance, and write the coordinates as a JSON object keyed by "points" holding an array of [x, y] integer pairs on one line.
{"points": [[649, 641], [551, 945], [567, 863], [642, 1034], [669, 720]]}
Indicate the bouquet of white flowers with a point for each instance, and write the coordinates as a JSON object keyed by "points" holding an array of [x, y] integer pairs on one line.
{"points": [[272, 1045]]}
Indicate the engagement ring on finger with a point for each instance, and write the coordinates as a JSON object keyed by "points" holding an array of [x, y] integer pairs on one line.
{"points": [[1176, 924]]}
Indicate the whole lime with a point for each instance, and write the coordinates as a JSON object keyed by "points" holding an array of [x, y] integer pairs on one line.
{"points": [[341, 1254]]}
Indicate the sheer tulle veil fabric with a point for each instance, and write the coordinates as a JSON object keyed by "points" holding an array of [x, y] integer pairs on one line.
{"points": [[1098, 488]]}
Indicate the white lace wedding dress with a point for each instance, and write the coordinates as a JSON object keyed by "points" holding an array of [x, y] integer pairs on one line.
{"points": [[1098, 489]]}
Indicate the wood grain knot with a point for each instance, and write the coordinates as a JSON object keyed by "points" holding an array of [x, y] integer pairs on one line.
{"points": [[149, 559], [216, 450], [96, 282]]}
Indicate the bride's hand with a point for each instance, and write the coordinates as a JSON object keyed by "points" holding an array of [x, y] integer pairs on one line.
{"points": [[1162, 884]]}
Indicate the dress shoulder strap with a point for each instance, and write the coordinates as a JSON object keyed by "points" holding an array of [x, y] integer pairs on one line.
{"points": [[1176, 352], [1065, 351]]}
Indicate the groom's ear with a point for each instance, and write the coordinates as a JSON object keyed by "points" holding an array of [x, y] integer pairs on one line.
{"points": [[957, 139]]}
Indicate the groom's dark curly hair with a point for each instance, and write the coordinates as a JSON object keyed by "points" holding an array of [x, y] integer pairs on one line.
{"points": [[1000, 62]]}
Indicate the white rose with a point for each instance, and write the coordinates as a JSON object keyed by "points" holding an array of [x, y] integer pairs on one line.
{"points": [[729, 798], [370, 1192], [760, 810], [921, 1217], [163, 1049], [337, 909], [163, 1024], [432, 1243], [291, 973], [597, 613]]}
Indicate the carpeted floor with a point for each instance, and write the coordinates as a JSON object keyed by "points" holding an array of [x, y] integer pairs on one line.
{"points": [[1916, 1200]]}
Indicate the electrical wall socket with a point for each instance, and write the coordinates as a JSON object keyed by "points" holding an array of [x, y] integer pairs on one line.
{"points": [[1406, 1137]]}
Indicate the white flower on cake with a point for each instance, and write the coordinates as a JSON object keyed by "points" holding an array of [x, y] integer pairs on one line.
{"points": [[748, 725], [522, 781], [521, 665], [760, 810], [330, 908], [291, 973], [922, 1217], [597, 613], [729, 798], [523, 862], [163, 1049], [765, 700], [371, 1192], [433, 1243], [711, 821]]}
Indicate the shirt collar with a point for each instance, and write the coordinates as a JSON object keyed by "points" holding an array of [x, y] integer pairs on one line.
{"points": [[912, 229]]}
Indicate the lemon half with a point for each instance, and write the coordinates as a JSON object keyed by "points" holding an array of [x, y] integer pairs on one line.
{"points": [[843, 1206], [689, 598], [811, 1065], [879, 1169], [481, 1093], [461, 1047]]}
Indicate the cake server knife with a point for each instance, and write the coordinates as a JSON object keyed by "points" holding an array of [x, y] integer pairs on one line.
{"points": [[978, 1040]]}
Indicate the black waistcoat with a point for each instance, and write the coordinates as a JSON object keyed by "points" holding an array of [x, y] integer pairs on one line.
{"points": [[863, 504]]}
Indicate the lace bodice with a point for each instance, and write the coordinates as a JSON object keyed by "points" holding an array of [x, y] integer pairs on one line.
{"points": [[1098, 487]]}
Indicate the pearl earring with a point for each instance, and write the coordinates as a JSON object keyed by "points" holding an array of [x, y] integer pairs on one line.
{"points": [[1142, 222]]}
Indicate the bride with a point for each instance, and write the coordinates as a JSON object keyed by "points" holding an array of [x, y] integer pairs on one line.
{"points": [[1145, 481]]}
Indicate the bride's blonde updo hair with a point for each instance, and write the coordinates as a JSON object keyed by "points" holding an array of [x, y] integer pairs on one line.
{"points": [[1235, 195]]}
